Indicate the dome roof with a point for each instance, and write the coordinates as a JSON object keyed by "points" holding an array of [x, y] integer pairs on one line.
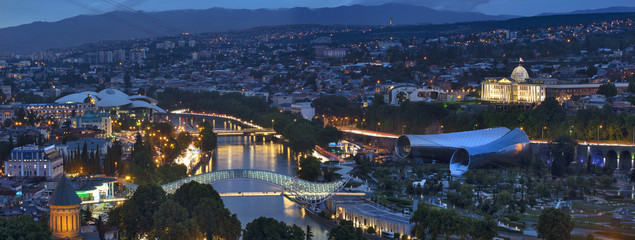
{"points": [[143, 104], [111, 98], [520, 74], [77, 97], [64, 194], [144, 98], [109, 92]]}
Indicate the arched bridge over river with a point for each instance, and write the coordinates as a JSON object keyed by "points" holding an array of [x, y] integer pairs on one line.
{"points": [[304, 191]]}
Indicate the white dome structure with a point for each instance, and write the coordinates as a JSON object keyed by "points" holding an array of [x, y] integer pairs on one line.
{"points": [[78, 97], [111, 98], [520, 74]]}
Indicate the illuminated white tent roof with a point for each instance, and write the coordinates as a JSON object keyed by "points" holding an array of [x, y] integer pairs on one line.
{"points": [[112, 98], [78, 97]]}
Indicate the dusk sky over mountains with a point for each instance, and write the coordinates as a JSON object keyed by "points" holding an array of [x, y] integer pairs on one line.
{"points": [[17, 12]]}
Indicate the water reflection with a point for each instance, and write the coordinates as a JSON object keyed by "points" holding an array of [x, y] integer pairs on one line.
{"points": [[245, 153]]}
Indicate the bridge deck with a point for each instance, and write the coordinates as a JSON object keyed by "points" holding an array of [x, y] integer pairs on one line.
{"points": [[305, 191]]}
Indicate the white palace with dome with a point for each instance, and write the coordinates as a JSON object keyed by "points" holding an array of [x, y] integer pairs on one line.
{"points": [[516, 89]]}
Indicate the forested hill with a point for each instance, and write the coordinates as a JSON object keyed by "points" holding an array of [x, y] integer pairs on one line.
{"points": [[120, 25], [479, 26]]}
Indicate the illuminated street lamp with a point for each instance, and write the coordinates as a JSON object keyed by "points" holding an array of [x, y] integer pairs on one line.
{"points": [[543, 133], [599, 133]]}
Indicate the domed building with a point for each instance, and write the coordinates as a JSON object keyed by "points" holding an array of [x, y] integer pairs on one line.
{"points": [[64, 218], [515, 89], [115, 102], [520, 74]]}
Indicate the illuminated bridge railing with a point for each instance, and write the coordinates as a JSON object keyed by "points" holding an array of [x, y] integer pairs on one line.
{"points": [[304, 191]]}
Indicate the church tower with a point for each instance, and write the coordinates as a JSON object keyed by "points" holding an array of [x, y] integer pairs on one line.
{"points": [[65, 219]]}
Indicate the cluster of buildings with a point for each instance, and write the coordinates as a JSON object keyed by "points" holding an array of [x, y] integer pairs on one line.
{"points": [[288, 68]]}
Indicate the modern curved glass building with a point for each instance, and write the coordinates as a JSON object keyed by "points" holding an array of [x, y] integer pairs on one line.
{"points": [[467, 150]]}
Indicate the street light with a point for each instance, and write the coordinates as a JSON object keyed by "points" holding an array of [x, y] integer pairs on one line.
{"points": [[543, 133], [599, 133], [378, 124]]}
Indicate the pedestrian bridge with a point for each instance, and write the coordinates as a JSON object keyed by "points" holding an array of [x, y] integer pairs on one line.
{"points": [[304, 191]]}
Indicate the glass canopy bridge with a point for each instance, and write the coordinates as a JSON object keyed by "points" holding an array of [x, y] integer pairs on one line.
{"points": [[305, 192]]}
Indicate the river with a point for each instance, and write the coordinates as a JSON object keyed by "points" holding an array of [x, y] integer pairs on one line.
{"points": [[239, 153]]}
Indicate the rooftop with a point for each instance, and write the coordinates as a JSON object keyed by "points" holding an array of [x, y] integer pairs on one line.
{"points": [[64, 194], [371, 210]]}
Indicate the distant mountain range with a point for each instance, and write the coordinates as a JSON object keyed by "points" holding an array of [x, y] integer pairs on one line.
{"points": [[118, 25], [599, 10]]}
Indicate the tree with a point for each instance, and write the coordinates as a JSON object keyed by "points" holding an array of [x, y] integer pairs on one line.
{"points": [[554, 224], [141, 167], [183, 139], [99, 224], [215, 221], [135, 217], [127, 81], [483, 229], [607, 89], [463, 197], [189, 194], [346, 231], [502, 199], [23, 227], [19, 115], [8, 122], [208, 139], [207, 209], [327, 135], [171, 221], [264, 228], [309, 233], [309, 169], [370, 230], [447, 222], [113, 159], [138, 145], [168, 173], [87, 214], [563, 150]]}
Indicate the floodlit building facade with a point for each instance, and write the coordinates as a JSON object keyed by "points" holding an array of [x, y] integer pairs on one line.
{"points": [[93, 120], [34, 161], [514, 89]]}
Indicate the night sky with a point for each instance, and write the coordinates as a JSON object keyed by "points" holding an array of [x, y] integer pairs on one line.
{"points": [[17, 12]]}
